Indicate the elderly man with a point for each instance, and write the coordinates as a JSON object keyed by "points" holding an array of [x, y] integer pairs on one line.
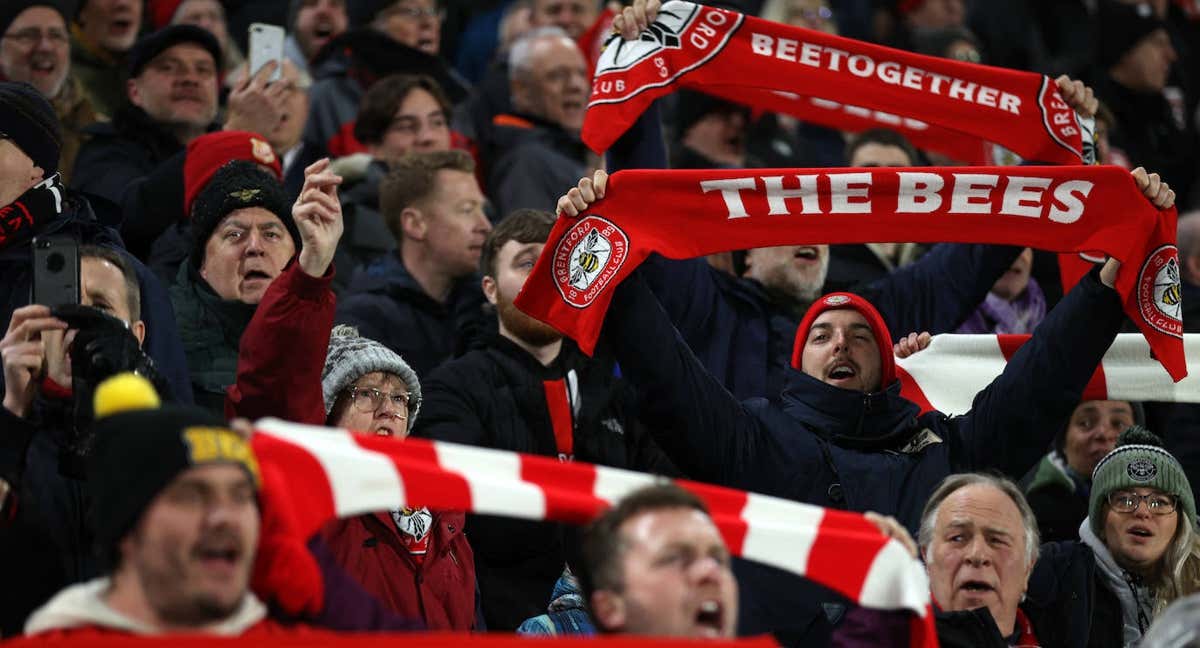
{"points": [[421, 300], [104, 33], [35, 49], [244, 236], [536, 150], [979, 541], [135, 163]]}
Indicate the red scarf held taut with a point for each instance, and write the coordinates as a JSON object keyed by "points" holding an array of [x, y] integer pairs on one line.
{"points": [[687, 214], [782, 68]]}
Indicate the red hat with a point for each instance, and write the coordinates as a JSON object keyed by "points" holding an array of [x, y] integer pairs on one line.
{"points": [[160, 12], [211, 151], [840, 301]]}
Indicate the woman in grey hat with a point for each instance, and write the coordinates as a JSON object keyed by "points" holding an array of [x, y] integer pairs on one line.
{"points": [[1138, 552]]}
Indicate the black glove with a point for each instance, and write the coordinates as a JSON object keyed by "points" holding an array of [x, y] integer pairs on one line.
{"points": [[103, 346]]}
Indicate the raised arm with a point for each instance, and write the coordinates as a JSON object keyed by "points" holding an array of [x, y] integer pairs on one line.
{"points": [[700, 426], [1012, 422], [941, 289], [282, 351]]}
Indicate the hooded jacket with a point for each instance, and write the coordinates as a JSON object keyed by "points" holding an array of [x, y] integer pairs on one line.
{"points": [[385, 303], [897, 457], [1058, 497]]}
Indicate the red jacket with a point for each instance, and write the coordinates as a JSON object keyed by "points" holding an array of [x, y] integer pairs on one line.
{"points": [[280, 359], [440, 590]]}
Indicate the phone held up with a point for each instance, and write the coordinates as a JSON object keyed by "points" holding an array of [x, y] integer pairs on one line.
{"points": [[55, 270], [266, 44]]}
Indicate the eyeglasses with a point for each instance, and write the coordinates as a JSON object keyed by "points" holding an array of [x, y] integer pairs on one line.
{"points": [[1156, 503], [31, 36], [371, 399]]}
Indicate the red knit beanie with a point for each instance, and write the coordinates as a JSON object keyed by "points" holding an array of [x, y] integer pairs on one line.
{"points": [[839, 301], [211, 151]]}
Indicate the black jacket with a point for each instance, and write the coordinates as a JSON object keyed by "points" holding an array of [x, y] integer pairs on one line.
{"points": [[77, 220], [495, 398], [1066, 603], [47, 544], [135, 164], [790, 450], [530, 162], [387, 305], [366, 236]]}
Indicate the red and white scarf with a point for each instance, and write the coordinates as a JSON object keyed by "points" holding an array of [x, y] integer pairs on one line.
{"points": [[328, 473], [686, 214], [782, 68], [947, 375]]}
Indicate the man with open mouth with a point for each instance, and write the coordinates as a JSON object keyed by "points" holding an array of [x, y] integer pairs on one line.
{"points": [[103, 33], [243, 236], [177, 534]]}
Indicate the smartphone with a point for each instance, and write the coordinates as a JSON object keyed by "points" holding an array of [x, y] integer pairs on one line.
{"points": [[55, 270], [266, 44]]}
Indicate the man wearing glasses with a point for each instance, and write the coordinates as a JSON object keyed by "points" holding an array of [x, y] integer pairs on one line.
{"points": [[35, 48]]}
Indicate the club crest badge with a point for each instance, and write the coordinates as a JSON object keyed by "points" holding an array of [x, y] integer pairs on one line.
{"points": [[1159, 293], [587, 258], [697, 32], [836, 300], [262, 151], [1141, 470]]}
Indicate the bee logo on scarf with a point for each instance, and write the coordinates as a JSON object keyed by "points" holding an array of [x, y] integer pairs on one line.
{"points": [[1159, 293], [586, 259]]}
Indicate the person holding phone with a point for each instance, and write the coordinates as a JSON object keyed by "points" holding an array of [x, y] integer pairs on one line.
{"points": [[48, 371]]}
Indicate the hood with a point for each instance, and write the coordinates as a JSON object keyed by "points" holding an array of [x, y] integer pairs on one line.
{"points": [[83, 605], [1053, 471], [1137, 601], [881, 420], [369, 55]]}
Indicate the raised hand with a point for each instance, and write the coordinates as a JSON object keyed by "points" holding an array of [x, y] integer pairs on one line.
{"points": [[588, 191], [911, 343], [318, 216], [24, 355]]}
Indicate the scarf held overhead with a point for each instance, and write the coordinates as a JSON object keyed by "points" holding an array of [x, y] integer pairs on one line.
{"points": [[696, 213], [947, 375], [335, 473], [782, 68]]}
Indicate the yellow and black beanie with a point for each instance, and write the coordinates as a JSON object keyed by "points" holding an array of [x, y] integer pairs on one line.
{"points": [[142, 445]]}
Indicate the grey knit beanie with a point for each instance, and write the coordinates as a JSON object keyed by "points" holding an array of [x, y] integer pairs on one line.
{"points": [[352, 356], [1139, 460]]}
